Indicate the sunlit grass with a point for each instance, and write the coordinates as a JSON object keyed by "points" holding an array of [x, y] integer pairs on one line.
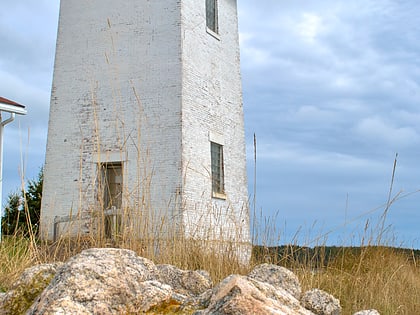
{"points": [[364, 277], [16, 254]]}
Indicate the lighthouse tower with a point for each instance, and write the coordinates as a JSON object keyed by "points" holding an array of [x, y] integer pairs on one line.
{"points": [[146, 121]]}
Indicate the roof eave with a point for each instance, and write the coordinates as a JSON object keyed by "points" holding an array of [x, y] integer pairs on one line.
{"points": [[12, 109]]}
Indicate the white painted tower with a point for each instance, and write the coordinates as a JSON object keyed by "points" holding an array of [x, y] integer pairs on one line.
{"points": [[146, 120]]}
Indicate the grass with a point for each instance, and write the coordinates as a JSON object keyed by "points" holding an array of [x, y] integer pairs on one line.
{"points": [[16, 254], [364, 277], [376, 277]]}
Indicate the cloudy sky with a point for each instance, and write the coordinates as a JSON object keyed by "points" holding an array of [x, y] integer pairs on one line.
{"points": [[331, 90]]}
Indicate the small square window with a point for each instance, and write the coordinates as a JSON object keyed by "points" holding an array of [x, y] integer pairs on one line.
{"points": [[212, 16], [217, 170]]}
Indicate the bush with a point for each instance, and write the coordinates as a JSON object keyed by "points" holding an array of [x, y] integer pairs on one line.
{"points": [[22, 210]]}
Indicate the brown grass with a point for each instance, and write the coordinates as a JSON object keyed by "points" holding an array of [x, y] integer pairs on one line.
{"points": [[374, 277], [366, 277]]}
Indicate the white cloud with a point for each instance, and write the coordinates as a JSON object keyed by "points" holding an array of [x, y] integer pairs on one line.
{"points": [[376, 129], [309, 27]]}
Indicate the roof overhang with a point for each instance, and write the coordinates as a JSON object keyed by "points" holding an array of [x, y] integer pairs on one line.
{"points": [[11, 107]]}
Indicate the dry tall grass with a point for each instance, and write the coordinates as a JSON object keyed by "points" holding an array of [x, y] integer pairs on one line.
{"points": [[16, 254], [372, 277], [364, 277]]}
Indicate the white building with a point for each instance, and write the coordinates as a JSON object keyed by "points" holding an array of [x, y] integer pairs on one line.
{"points": [[146, 121]]}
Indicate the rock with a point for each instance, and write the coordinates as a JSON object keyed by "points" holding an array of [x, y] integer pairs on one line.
{"points": [[191, 289], [102, 281], [367, 312], [279, 277], [29, 285], [321, 303], [117, 281], [189, 283], [153, 294], [245, 295], [201, 301]]}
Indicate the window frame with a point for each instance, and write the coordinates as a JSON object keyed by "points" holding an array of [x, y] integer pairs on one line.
{"points": [[212, 17], [105, 195], [218, 187]]}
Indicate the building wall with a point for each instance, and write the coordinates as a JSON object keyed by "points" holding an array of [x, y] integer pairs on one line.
{"points": [[212, 110], [116, 95], [143, 82]]}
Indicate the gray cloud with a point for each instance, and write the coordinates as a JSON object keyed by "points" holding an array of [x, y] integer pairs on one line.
{"points": [[332, 92]]}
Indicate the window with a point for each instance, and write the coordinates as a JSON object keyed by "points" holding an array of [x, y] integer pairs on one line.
{"points": [[111, 182], [211, 16], [110, 188], [217, 170]]}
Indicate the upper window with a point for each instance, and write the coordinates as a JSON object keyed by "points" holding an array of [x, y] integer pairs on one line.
{"points": [[211, 16], [217, 170]]}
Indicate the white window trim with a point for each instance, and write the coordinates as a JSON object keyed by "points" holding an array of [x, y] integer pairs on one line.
{"points": [[215, 35], [217, 137], [112, 156]]}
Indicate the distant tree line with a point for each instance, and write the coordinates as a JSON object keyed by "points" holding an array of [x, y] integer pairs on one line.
{"points": [[318, 256], [23, 209]]}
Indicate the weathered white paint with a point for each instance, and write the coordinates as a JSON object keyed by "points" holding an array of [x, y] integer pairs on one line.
{"points": [[145, 83]]}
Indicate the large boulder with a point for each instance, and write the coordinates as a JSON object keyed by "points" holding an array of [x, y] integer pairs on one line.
{"points": [[239, 295], [28, 286], [102, 281], [278, 277], [111, 281]]}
